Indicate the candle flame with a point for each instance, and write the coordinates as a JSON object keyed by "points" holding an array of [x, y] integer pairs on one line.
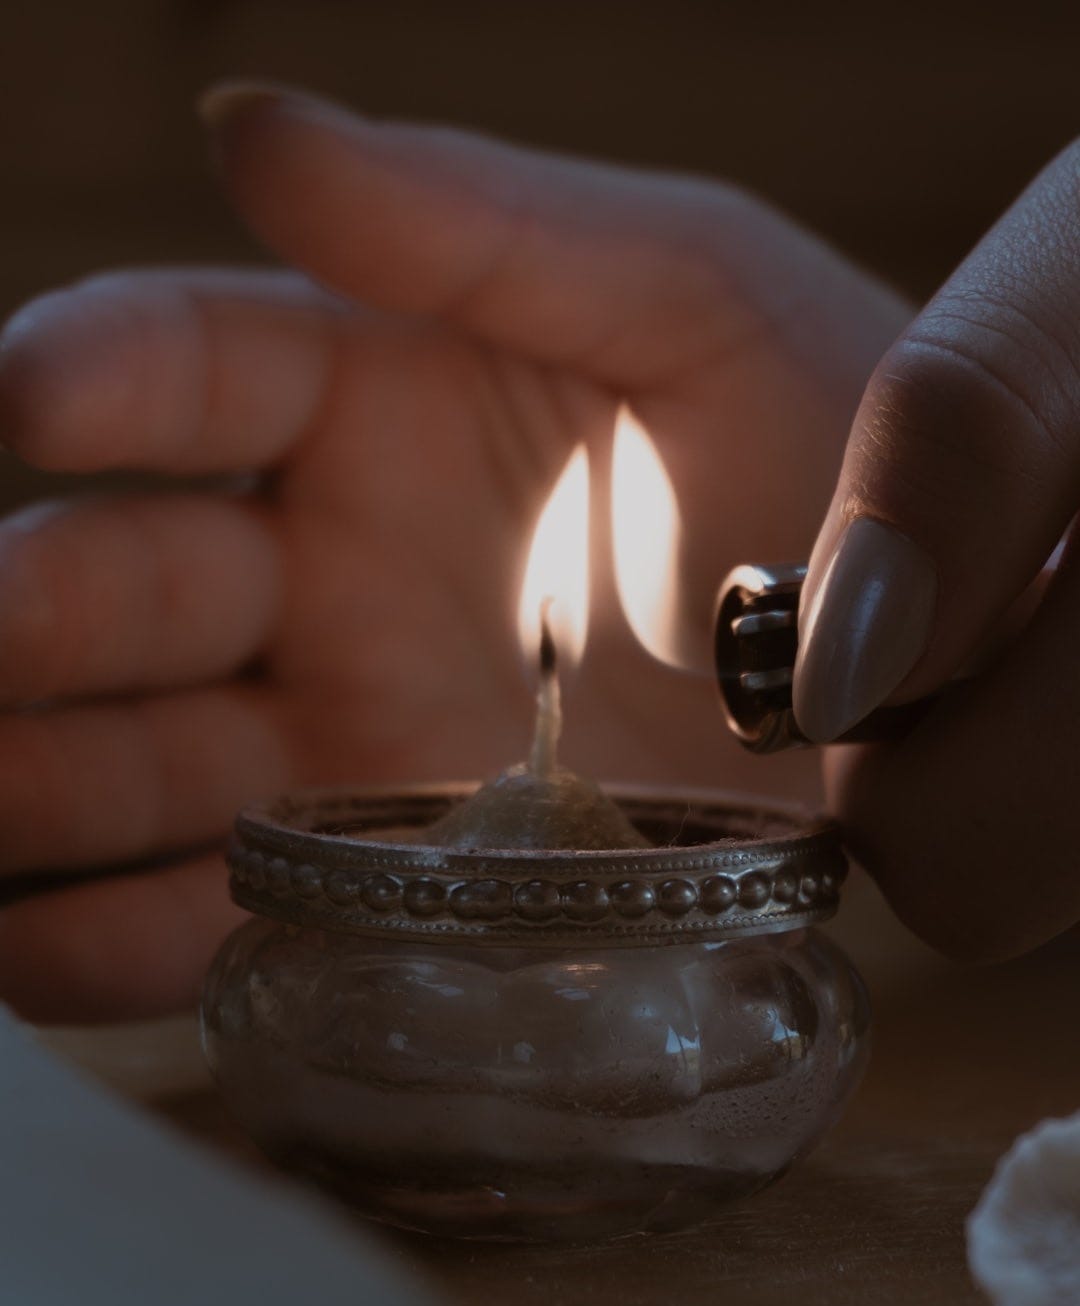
{"points": [[646, 538], [557, 573]]}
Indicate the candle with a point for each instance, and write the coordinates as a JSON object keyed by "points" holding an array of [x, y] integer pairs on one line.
{"points": [[538, 803], [496, 1042]]}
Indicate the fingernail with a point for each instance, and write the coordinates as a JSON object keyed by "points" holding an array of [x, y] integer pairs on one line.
{"points": [[867, 625], [221, 103], [824, 547]]}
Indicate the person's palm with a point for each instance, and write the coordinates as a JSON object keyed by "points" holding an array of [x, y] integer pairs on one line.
{"points": [[352, 618]]}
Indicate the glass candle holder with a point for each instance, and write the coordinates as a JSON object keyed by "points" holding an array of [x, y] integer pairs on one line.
{"points": [[531, 1044]]}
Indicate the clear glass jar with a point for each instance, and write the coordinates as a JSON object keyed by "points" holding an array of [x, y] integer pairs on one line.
{"points": [[506, 1089]]}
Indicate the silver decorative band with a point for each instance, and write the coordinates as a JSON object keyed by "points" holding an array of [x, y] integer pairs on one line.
{"points": [[342, 860]]}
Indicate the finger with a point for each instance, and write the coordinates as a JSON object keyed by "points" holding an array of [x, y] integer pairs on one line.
{"points": [[181, 371], [132, 593], [122, 949], [106, 784], [962, 471], [969, 823], [628, 276]]}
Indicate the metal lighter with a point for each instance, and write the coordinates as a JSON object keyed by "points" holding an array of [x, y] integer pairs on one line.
{"points": [[756, 638]]}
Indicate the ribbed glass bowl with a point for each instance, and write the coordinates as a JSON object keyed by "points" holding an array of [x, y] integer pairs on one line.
{"points": [[534, 1045]]}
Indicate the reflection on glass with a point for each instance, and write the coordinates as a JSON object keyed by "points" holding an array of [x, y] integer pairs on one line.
{"points": [[524, 1093]]}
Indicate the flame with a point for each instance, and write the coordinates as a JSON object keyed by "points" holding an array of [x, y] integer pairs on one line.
{"points": [[558, 566], [646, 535]]}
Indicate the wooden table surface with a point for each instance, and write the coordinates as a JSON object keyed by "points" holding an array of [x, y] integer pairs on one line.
{"points": [[964, 1060]]}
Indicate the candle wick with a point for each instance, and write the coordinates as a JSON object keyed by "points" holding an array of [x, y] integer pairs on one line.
{"points": [[543, 759], [548, 659]]}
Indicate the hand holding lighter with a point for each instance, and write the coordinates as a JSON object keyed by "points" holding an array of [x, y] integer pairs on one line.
{"points": [[756, 638]]}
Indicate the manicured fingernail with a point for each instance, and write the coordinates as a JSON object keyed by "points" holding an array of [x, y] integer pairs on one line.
{"points": [[867, 624], [824, 547], [221, 103]]}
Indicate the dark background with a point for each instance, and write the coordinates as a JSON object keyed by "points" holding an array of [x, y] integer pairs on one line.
{"points": [[898, 132]]}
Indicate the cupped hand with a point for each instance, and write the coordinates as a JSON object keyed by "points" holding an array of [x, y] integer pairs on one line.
{"points": [[330, 599]]}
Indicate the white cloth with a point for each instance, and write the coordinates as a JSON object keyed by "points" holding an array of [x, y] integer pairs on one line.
{"points": [[102, 1205]]}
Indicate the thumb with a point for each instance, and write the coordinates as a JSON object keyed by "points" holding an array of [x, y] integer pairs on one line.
{"points": [[961, 474]]}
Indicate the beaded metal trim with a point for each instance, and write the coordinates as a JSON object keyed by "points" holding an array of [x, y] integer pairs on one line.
{"points": [[317, 859]]}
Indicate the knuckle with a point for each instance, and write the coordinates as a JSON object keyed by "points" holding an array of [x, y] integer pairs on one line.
{"points": [[951, 418], [1023, 344]]}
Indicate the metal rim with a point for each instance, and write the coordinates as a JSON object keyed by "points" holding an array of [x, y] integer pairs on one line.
{"points": [[742, 868]]}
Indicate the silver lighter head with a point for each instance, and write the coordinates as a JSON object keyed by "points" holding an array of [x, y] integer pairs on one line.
{"points": [[756, 637], [755, 642]]}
